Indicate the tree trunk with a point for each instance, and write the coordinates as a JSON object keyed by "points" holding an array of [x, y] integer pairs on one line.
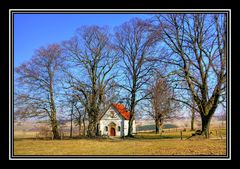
{"points": [[130, 123], [205, 125], [84, 127], [130, 129], [192, 119], [93, 114], [161, 129], [92, 130], [53, 112], [92, 127], [54, 123], [161, 126], [157, 124], [80, 128], [71, 127], [132, 111], [55, 129], [193, 114]]}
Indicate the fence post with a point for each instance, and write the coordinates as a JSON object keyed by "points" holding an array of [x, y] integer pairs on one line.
{"points": [[181, 134]]}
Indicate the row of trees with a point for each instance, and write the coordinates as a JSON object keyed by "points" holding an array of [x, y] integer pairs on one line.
{"points": [[163, 62]]}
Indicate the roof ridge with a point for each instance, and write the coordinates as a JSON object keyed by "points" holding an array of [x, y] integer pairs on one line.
{"points": [[122, 110]]}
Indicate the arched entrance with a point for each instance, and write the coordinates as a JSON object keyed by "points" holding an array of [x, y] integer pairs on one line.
{"points": [[112, 127], [112, 132]]}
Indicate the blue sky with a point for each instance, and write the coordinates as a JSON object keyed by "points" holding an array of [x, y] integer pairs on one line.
{"points": [[32, 31]]}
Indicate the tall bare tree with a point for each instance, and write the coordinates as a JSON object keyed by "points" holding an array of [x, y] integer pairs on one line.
{"points": [[197, 45], [37, 83], [135, 44], [93, 58], [162, 106]]}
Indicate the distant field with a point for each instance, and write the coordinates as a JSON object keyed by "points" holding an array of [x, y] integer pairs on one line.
{"points": [[25, 134], [143, 144], [168, 133], [152, 127]]}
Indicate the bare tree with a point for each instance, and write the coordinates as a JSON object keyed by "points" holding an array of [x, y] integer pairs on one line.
{"points": [[162, 106], [93, 58], [37, 83], [80, 117], [135, 44], [197, 46]]}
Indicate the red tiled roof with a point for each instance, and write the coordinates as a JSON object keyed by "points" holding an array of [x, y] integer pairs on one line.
{"points": [[122, 110]]}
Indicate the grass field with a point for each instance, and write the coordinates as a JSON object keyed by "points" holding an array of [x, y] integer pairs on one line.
{"points": [[142, 144]]}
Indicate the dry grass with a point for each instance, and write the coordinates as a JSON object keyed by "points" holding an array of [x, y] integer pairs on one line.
{"points": [[143, 144], [120, 147], [25, 134], [173, 134]]}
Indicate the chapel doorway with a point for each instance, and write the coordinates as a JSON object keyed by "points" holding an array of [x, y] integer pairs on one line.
{"points": [[112, 127], [112, 132]]}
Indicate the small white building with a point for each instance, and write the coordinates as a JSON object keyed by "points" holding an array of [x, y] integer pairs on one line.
{"points": [[115, 121]]}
